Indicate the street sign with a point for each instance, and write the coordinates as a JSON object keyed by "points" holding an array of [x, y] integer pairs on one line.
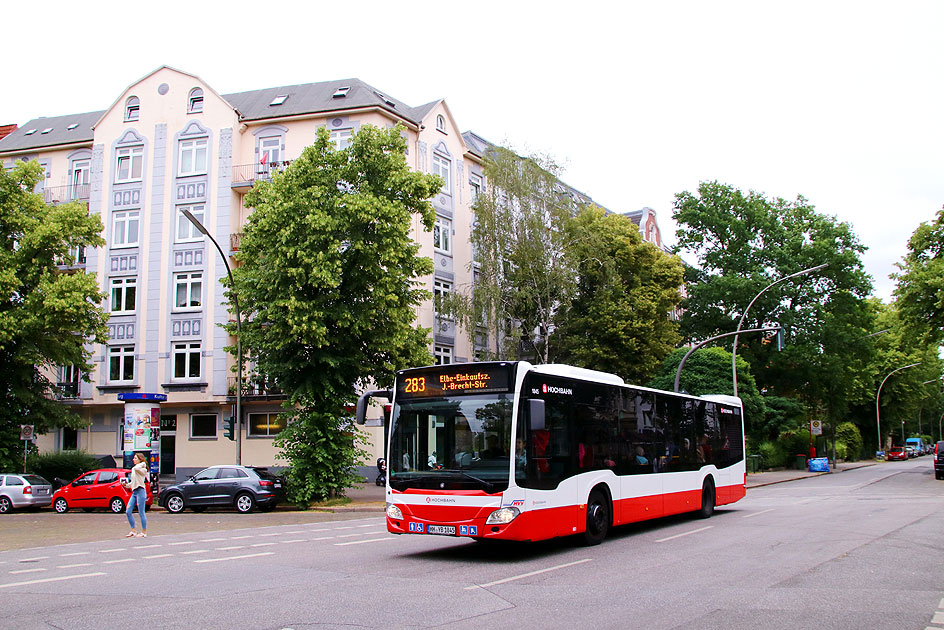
{"points": [[26, 432], [816, 427]]}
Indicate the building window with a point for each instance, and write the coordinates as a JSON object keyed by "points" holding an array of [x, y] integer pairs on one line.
{"points": [[187, 231], [130, 161], [68, 380], [342, 138], [203, 425], [442, 235], [195, 102], [442, 166], [125, 228], [441, 289], [441, 123], [442, 355], [123, 295], [188, 291], [132, 108], [475, 182], [70, 441], [187, 360], [269, 148], [193, 157], [265, 424], [81, 172], [120, 364]]}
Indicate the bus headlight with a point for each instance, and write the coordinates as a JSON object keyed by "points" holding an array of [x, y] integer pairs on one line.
{"points": [[394, 512], [503, 516]]}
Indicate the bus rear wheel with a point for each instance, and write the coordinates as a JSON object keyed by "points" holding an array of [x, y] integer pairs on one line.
{"points": [[598, 518], [707, 499]]}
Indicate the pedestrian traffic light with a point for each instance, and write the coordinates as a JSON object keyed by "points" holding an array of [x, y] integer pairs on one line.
{"points": [[228, 428]]}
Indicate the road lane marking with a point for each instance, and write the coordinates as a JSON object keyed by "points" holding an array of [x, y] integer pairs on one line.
{"points": [[262, 545], [186, 542], [231, 548], [938, 616], [239, 537], [251, 555], [322, 538], [17, 572], [694, 531], [527, 575], [757, 513], [295, 540], [145, 546], [158, 555], [192, 551], [295, 532], [36, 559], [270, 534], [345, 527], [72, 566], [74, 553], [119, 561], [212, 539], [111, 550], [55, 579], [361, 542]]}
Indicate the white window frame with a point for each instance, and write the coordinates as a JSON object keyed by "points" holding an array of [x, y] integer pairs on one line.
{"points": [[270, 150], [134, 156], [195, 101], [475, 183], [191, 353], [342, 138], [125, 224], [186, 231], [192, 282], [442, 166], [118, 294], [442, 235], [441, 288], [196, 149], [271, 419], [123, 356], [132, 109], [81, 177], [441, 123], [442, 355]]}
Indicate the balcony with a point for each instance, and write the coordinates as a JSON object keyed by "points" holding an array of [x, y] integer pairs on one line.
{"points": [[254, 387], [68, 390], [63, 194], [235, 240], [245, 175]]}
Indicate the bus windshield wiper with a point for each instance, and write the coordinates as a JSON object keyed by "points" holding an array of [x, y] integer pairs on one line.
{"points": [[487, 484]]}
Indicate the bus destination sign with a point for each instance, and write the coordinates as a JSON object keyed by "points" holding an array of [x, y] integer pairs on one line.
{"points": [[453, 380]]}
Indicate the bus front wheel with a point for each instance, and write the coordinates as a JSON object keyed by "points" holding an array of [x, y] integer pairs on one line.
{"points": [[707, 499], [598, 518]]}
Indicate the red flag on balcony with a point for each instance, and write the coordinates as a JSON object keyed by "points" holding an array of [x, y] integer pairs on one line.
{"points": [[265, 158]]}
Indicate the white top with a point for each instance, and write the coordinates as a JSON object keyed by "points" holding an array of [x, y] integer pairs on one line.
{"points": [[139, 476]]}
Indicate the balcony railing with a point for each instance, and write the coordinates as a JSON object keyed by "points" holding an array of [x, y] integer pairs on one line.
{"points": [[68, 390], [62, 194], [247, 174], [253, 387], [235, 239]]}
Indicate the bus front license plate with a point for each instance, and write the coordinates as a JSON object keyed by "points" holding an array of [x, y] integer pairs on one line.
{"points": [[442, 530]]}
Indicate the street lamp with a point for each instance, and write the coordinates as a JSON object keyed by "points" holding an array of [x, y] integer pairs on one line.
{"points": [[878, 422], [678, 372], [237, 429], [734, 374]]}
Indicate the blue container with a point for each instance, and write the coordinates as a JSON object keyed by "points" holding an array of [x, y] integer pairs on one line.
{"points": [[819, 464]]}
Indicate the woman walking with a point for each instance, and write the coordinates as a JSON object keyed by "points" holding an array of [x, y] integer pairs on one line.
{"points": [[139, 478]]}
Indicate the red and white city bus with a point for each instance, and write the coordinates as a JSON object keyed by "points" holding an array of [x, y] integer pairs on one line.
{"points": [[514, 451]]}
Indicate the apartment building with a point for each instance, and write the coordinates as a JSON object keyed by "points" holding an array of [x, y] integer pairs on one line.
{"points": [[170, 143]]}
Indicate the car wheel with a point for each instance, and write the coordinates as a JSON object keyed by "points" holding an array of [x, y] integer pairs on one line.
{"points": [[117, 505], [5, 505], [174, 504], [598, 518], [245, 503], [60, 506], [707, 499]]}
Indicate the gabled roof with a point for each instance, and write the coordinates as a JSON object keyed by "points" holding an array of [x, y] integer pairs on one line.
{"points": [[310, 98], [476, 143], [59, 132]]}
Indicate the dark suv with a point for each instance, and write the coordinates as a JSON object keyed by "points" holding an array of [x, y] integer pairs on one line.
{"points": [[939, 460], [242, 487]]}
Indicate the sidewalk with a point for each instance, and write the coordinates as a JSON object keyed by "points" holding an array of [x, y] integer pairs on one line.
{"points": [[768, 477]]}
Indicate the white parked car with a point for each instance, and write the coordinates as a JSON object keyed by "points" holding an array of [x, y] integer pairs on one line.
{"points": [[20, 491]]}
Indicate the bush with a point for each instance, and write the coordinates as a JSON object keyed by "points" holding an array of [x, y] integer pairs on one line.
{"points": [[770, 455], [66, 465], [849, 435]]}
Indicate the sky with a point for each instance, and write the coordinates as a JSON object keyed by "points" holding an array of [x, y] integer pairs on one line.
{"points": [[840, 102]]}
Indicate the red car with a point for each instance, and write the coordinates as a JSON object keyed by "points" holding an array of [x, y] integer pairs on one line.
{"points": [[96, 489], [896, 452]]}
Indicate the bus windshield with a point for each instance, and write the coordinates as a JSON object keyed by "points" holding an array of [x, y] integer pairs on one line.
{"points": [[451, 443]]}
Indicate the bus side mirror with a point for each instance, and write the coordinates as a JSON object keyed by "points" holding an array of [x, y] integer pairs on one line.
{"points": [[360, 410], [536, 413]]}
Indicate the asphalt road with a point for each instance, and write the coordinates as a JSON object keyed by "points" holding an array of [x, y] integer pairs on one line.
{"points": [[862, 549]]}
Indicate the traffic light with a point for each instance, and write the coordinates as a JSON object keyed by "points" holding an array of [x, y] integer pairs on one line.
{"points": [[228, 428], [780, 342]]}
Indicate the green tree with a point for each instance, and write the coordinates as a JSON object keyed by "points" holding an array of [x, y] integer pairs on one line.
{"points": [[745, 241], [328, 283], [920, 285], [618, 320], [46, 314], [519, 239], [708, 371]]}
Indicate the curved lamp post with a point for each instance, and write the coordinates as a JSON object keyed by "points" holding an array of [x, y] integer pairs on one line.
{"points": [[237, 425], [734, 375], [678, 372], [878, 422]]}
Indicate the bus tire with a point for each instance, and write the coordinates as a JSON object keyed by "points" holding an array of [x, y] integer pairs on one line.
{"points": [[707, 499], [598, 518]]}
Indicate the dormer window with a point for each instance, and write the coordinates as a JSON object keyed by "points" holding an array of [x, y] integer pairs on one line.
{"points": [[278, 100], [441, 123], [46, 130], [341, 92], [30, 132], [195, 101], [72, 126], [132, 108]]}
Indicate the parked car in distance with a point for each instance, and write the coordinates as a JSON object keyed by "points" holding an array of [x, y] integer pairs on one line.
{"points": [[939, 460], [911, 451], [242, 487], [23, 491], [97, 489], [896, 453]]}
